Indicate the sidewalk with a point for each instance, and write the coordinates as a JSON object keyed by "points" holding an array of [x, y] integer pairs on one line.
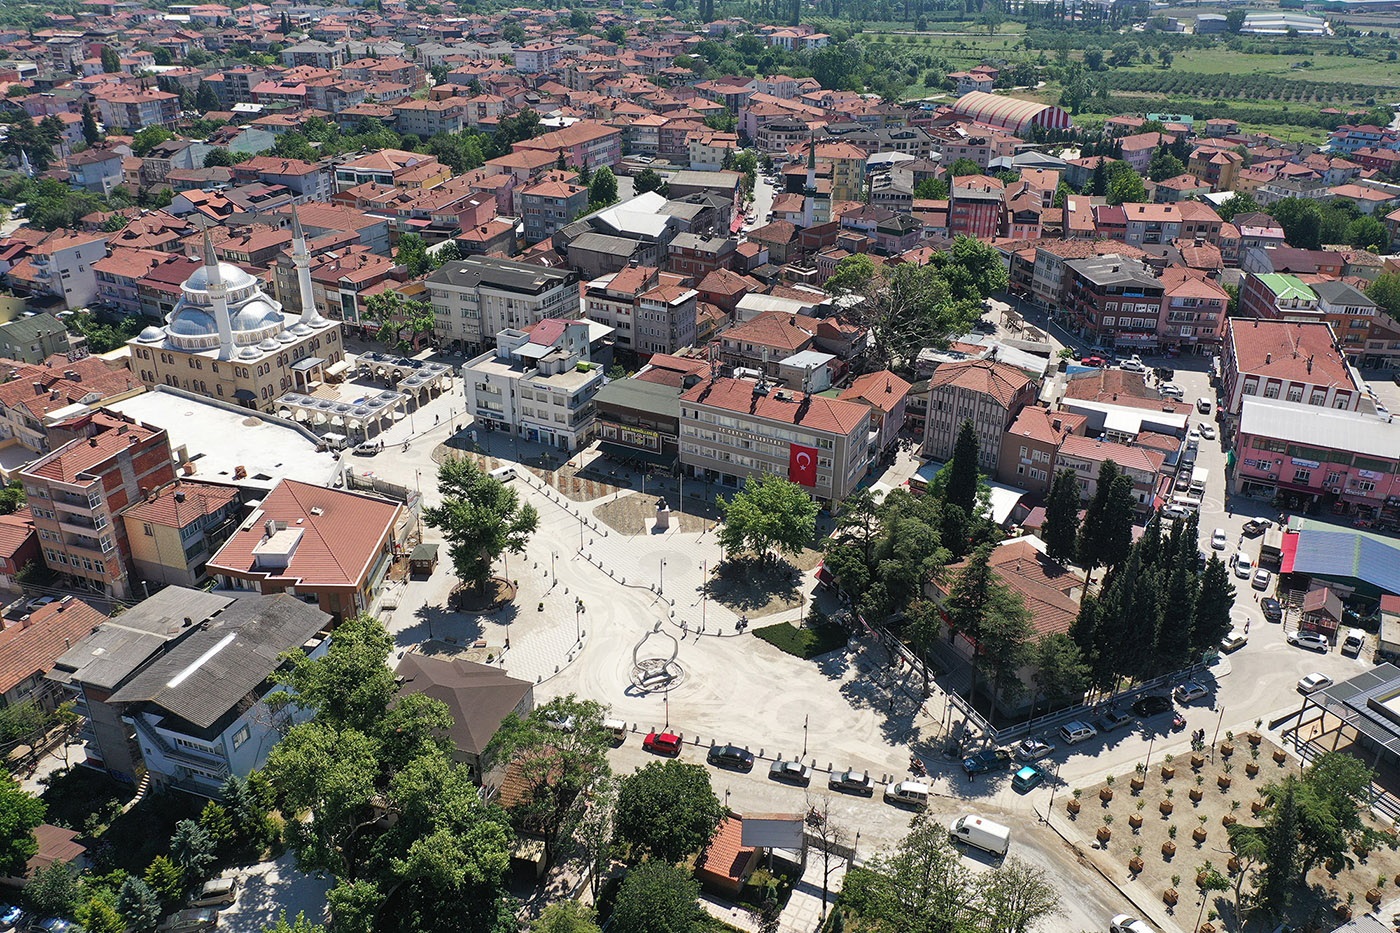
{"points": [[803, 913]]}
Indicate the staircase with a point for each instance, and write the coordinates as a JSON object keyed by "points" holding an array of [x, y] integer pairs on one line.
{"points": [[142, 789]]}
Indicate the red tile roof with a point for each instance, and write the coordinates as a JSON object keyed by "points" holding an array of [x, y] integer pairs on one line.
{"points": [[1051, 591], [1040, 424], [79, 456], [726, 858], [342, 534], [31, 646], [813, 411], [1001, 381], [883, 389], [1295, 351], [178, 505]]}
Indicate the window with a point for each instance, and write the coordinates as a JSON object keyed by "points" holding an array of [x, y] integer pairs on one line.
{"points": [[1304, 477], [1334, 478], [240, 737], [146, 527]]}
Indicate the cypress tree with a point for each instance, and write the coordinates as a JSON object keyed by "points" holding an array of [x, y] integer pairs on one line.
{"points": [[1092, 551], [91, 134], [1062, 517], [1217, 597], [961, 489]]}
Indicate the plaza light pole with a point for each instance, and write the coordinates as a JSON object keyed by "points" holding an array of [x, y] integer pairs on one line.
{"points": [[578, 608], [805, 720], [553, 577], [704, 590], [661, 579]]}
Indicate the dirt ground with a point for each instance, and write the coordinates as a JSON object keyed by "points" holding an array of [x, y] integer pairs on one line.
{"points": [[1314, 908], [634, 513], [758, 588]]}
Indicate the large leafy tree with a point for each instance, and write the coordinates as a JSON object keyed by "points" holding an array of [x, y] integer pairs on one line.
{"points": [[768, 513], [906, 307], [1061, 529], [480, 517], [602, 188], [560, 748], [1241, 202], [1385, 292], [1124, 184], [1164, 165], [1061, 673], [53, 890], [668, 810], [1006, 642], [657, 898], [403, 322], [20, 812]]}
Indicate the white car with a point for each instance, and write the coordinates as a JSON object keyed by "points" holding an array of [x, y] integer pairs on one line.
{"points": [[1189, 691], [1310, 640], [1208, 431], [1172, 389], [1261, 579], [1133, 365], [1219, 539], [1233, 641], [1193, 435], [1313, 683], [1244, 565], [1124, 923]]}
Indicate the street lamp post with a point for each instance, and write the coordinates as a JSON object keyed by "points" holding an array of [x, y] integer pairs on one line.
{"points": [[661, 578], [1218, 721], [578, 628], [704, 590], [553, 577], [805, 720], [1053, 786]]}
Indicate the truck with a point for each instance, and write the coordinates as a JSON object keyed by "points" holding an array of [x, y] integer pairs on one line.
{"points": [[1199, 476], [1271, 548], [981, 833]]}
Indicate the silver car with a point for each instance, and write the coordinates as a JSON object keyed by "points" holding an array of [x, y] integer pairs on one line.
{"points": [[790, 772]]}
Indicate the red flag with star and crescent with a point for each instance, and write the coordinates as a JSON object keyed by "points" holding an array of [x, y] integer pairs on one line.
{"points": [[802, 464]]}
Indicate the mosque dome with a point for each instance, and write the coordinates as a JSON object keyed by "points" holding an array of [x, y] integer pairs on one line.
{"points": [[233, 278]]}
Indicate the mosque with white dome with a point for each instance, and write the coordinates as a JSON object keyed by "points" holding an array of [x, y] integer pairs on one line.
{"points": [[228, 339]]}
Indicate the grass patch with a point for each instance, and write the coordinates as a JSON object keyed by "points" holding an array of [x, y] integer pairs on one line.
{"points": [[807, 642]]}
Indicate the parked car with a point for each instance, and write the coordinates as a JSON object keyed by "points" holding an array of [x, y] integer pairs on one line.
{"points": [[1256, 527], [790, 772], [1124, 923], [1077, 731], [1203, 405], [1313, 683], [1244, 565], [367, 449], [59, 925], [852, 781], [1152, 704], [10, 918], [1261, 579], [191, 920], [1033, 749], [1233, 641], [1189, 691], [221, 892], [1112, 718], [1273, 609], [1176, 513], [662, 743], [1219, 539], [990, 759], [1026, 778], [1092, 361], [39, 602], [1172, 389], [730, 756], [1133, 364], [1208, 431], [1310, 640]]}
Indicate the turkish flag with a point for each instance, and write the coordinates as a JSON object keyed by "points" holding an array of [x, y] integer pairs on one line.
{"points": [[802, 464]]}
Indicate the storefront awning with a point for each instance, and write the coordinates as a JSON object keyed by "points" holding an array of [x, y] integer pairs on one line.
{"points": [[636, 454]]}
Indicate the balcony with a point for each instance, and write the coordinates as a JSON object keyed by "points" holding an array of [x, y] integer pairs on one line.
{"points": [[75, 504], [77, 525]]}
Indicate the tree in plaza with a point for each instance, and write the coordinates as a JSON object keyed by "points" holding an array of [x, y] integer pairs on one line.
{"points": [[1214, 600], [138, 905], [668, 810], [53, 890], [1017, 897], [566, 917], [1385, 292], [590, 827], [1097, 542], [602, 188], [480, 517], [961, 487], [556, 764], [20, 812], [300, 924], [768, 513], [403, 322], [657, 898], [1061, 528], [1164, 165], [923, 627], [972, 269], [1241, 202], [91, 134]]}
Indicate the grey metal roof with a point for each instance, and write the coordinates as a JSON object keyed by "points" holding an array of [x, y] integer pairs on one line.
{"points": [[1314, 426], [1340, 293], [477, 695], [1115, 270], [654, 398], [500, 273], [29, 329], [1358, 702], [212, 670], [121, 645], [602, 243]]}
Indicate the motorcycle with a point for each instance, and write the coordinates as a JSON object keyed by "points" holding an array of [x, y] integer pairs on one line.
{"points": [[1178, 722], [916, 766]]}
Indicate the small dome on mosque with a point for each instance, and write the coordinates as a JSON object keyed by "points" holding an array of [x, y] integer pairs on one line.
{"points": [[189, 321]]}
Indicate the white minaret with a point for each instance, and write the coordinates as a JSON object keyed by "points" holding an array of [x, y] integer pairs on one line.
{"points": [[301, 258], [218, 298]]}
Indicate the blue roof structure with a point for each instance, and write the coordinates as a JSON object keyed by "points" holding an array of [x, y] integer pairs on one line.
{"points": [[1345, 555]]}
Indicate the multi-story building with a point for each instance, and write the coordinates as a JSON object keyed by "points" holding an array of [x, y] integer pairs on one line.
{"points": [[1287, 360], [1346, 460], [550, 205], [62, 266], [173, 530], [538, 57], [582, 145], [392, 167], [765, 341], [696, 256], [1086, 456], [1031, 444], [427, 118], [309, 181], [538, 385], [133, 108], [1115, 301], [78, 491], [474, 299], [709, 148], [974, 210], [1193, 311], [732, 429], [1276, 295], [228, 339], [1351, 314], [1150, 224], [887, 395], [330, 547], [665, 318], [33, 339], [988, 393]]}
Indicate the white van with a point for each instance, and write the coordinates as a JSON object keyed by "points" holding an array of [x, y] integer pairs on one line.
{"points": [[907, 794], [1354, 641], [981, 833], [503, 474], [1199, 477], [617, 729]]}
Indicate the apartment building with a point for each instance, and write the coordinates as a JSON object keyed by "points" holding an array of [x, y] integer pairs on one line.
{"points": [[62, 266], [427, 118], [696, 256], [474, 299], [537, 385], [1114, 301], [582, 145], [78, 491], [176, 528], [1288, 360], [1276, 295], [732, 429], [1087, 455], [1150, 224], [135, 108], [665, 318], [1192, 318], [1368, 337], [989, 393], [538, 57], [1031, 444], [550, 205]]}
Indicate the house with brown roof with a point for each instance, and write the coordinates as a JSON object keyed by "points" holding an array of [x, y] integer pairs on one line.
{"points": [[887, 396], [761, 343], [1290, 360], [725, 865], [33, 643], [1051, 592], [175, 528], [1030, 445], [989, 393], [331, 545]]}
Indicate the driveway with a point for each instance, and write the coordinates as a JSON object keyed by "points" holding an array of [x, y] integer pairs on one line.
{"points": [[267, 889]]}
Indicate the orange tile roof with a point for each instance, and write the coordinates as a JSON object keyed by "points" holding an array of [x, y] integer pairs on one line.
{"points": [[726, 858], [1051, 591], [32, 646], [342, 534], [883, 389], [813, 411], [771, 329], [178, 505], [1001, 381], [1039, 424], [79, 456], [1295, 351]]}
